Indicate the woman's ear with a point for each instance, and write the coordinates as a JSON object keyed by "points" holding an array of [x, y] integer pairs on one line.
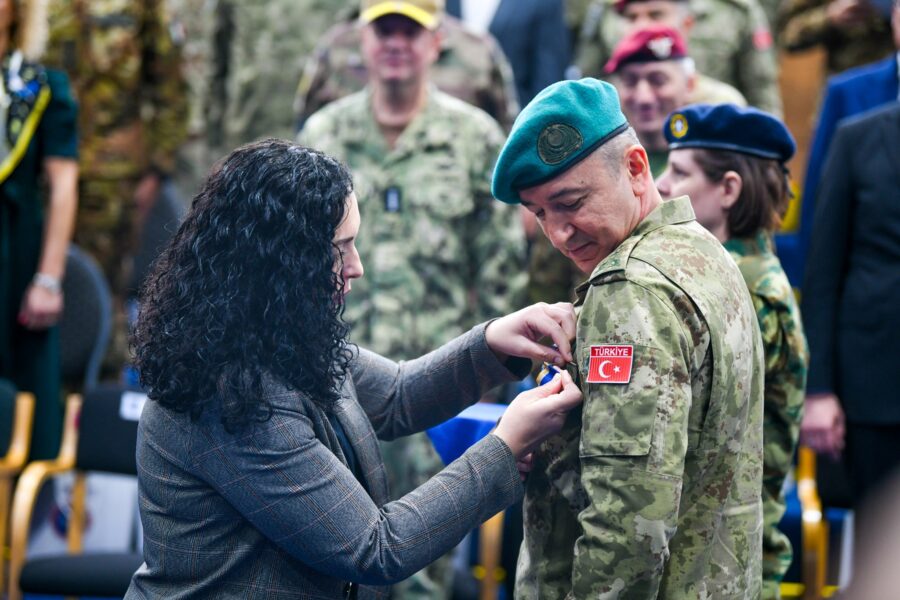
{"points": [[731, 189]]}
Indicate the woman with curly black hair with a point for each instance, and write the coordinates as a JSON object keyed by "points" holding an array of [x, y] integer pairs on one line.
{"points": [[258, 467]]}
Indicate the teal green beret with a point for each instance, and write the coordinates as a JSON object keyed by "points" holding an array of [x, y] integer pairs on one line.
{"points": [[561, 126]]}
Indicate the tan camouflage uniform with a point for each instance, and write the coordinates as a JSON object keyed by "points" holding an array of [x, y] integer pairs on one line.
{"points": [[448, 258], [652, 490], [787, 360], [126, 76], [802, 24], [731, 42], [470, 67]]}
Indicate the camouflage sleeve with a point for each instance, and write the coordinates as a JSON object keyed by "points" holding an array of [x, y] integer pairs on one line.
{"points": [[497, 259], [802, 23], [786, 360], [758, 64], [165, 88], [309, 90], [633, 441], [590, 51], [502, 88]]}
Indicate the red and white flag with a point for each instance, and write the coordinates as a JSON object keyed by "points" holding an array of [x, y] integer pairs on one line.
{"points": [[610, 364]]}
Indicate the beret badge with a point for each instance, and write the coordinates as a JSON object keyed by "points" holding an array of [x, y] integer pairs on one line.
{"points": [[557, 142], [678, 125]]}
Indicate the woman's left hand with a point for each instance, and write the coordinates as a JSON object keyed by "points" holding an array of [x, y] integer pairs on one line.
{"points": [[519, 333], [41, 308]]}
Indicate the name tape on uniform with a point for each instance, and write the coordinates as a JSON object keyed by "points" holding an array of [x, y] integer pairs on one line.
{"points": [[610, 364]]}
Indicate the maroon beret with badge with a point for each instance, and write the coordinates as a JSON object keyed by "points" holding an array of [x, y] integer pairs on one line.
{"points": [[654, 43]]}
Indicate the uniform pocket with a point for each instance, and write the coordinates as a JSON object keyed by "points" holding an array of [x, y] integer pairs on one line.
{"points": [[620, 419]]}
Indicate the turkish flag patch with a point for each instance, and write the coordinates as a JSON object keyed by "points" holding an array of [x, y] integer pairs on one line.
{"points": [[610, 364]]}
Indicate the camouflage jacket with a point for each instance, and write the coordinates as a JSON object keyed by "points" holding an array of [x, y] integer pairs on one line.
{"points": [[470, 67], [125, 70], [652, 490], [731, 41], [803, 24], [261, 47], [786, 360], [439, 253]]}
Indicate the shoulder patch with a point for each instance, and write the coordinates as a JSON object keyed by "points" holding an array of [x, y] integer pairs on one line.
{"points": [[610, 364]]}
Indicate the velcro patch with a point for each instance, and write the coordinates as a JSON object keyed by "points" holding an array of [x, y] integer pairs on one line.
{"points": [[610, 364]]}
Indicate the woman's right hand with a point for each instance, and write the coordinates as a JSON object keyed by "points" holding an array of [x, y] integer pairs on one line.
{"points": [[537, 414]]}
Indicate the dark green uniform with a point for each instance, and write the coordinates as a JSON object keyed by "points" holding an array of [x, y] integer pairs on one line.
{"points": [[787, 360], [40, 123]]}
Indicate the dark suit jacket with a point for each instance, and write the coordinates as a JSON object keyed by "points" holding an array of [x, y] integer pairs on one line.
{"points": [[851, 298], [273, 512], [533, 36], [850, 93]]}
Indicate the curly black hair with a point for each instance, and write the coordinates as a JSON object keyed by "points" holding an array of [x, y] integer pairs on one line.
{"points": [[247, 287]]}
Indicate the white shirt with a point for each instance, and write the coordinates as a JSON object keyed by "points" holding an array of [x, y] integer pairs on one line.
{"points": [[478, 14]]}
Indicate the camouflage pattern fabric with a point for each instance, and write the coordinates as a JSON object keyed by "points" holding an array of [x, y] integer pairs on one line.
{"points": [[652, 490], [786, 360], [125, 69], [731, 42], [551, 276], [803, 24], [261, 47], [126, 74], [192, 22], [711, 91], [470, 67], [440, 254]]}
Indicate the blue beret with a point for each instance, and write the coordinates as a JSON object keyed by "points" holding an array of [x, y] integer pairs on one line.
{"points": [[561, 126], [729, 127]]}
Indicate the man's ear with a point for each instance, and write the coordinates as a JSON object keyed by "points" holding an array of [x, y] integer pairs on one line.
{"points": [[638, 167], [732, 184]]}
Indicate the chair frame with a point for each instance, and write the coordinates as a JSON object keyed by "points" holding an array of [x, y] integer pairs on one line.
{"points": [[28, 487], [13, 463]]}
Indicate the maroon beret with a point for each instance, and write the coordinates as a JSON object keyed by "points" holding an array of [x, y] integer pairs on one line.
{"points": [[654, 43]]}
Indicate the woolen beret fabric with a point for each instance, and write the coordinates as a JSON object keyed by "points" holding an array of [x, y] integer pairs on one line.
{"points": [[560, 127], [652, 44], [729, 127]]}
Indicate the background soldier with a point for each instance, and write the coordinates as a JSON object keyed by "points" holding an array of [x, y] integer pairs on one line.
{"points": [[442, 255], [126, 76], [729, 40], [470, 67], [653, 490]]}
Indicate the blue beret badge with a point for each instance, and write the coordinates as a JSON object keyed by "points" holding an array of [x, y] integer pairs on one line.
{"points": [[678, 125], [557, 142]]}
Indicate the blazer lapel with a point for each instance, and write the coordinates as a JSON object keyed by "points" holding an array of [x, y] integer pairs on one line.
{"points": [[362, 437]]}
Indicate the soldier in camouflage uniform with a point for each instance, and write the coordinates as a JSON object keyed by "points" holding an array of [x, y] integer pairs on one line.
{"points": [[260, 48], [653, 489], [729, 40], [853, 32], [440, 254], [126, 76], [742, 203], [470, 67]]}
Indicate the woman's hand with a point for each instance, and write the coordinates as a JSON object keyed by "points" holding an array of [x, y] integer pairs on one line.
{"points": [[537, 414], [822, 428], [41, 308], [517, 334]]}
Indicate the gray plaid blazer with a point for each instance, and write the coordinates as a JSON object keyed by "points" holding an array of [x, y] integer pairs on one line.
{"points": [[273, 511]]}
